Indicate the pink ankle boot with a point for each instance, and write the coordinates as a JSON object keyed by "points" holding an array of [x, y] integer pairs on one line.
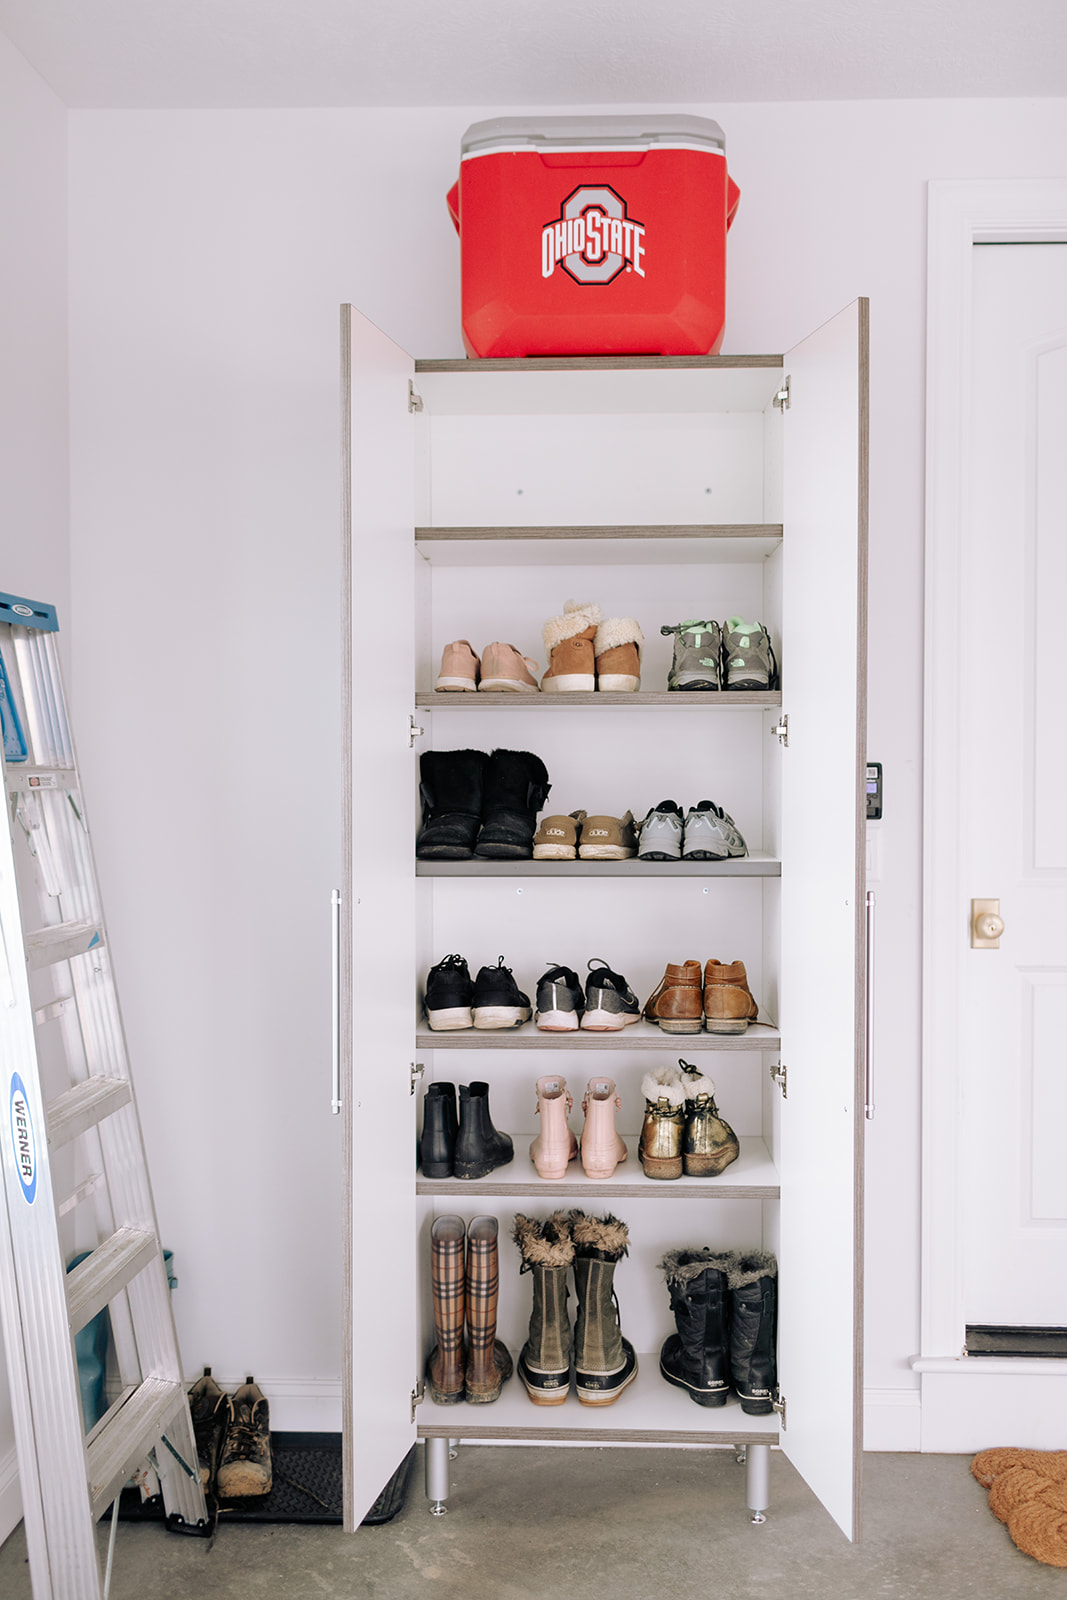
{"points": [[555, 1145], [602, 1148]]}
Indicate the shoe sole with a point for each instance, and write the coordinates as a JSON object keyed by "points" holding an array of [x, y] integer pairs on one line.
{"points": [[553, 852], [694, 683], [662, 1168], [676, 1024], [605, 1397], [659, 855], [443, 1021], [568, 683], [726, 1024], [547, 1397], [500, 1016], [702, 1397], [705, 855], [557, 1021], [605, 852], [447, 685], [503, 685], [609, 1021], [618, 683], [709, 1166]]}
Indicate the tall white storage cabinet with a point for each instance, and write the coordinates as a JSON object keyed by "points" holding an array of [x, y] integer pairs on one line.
{"points": [[479, 497]]}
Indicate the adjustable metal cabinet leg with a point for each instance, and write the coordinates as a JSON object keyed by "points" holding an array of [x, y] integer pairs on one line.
{"points": [[437, 1475], [758, 1480]]}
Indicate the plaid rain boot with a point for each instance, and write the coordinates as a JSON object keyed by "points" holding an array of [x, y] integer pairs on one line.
{"points": [[488, 1360], [445, 1367]]}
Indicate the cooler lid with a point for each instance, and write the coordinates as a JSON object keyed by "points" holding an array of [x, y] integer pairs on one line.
{"points": [[670, 132]]}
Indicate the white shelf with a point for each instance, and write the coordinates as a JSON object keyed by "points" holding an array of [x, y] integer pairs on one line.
{"points": [[650, 1409], [638, 1036], [582, 546], [755, 865], [751, 1177], [645, 700], [605, 386]]}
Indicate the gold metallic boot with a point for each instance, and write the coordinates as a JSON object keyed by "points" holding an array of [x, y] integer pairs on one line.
{"points": [[709, 1144], [660, 1149]]}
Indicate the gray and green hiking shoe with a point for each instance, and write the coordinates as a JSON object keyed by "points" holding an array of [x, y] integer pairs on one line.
{"points": [[697, 649], [711, 834], [748, 661]]}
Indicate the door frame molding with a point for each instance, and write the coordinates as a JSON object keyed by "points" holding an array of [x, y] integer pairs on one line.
{"points": [[961, 214]]}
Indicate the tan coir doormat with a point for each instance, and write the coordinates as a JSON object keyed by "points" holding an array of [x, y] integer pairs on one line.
{"points": [[1028, 1491]]}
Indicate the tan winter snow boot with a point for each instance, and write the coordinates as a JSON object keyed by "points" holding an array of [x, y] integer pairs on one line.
{"points": [[569, 645], [604, 1362], [617, 648]]}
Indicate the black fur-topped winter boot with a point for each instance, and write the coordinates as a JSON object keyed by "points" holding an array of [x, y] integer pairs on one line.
{"points": [[696, 1358], [452, 796], [753, 1327], [516, 787], [604, 1362]]}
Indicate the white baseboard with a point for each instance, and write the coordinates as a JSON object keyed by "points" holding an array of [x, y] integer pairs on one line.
{"points": [[973, 1404], [10, 1494], [892, 1419]]}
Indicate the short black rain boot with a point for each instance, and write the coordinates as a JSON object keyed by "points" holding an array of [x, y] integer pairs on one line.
{"points": [[440, 1120], [516, 787], [604, 1362], [696, 1358], [452, 795], [753, 1328], [480, 1148]]}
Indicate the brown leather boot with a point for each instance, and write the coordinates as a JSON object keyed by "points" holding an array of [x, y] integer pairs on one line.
{"points": [[728, 1003], [444, 1370], [678, 1003], [569, 645], [488, 1361]]}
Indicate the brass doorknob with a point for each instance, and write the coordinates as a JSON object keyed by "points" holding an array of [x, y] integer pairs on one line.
{"points": [[987, 925]]}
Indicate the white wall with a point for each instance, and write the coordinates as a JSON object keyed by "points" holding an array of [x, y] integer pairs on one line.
{"points": [[209, 253], [34, 548]]}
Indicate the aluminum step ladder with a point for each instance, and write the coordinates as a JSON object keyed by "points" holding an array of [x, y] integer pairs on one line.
{"points": [[75, 1177]]}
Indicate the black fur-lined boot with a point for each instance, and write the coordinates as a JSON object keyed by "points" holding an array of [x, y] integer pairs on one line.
{"points": [[452, 795], [753, 1325], [516, 787], [696, 1358]]}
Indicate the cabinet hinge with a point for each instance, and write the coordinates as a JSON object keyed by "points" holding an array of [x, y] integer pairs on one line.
{"points": [[415, 398], [416, 1397], [779, 731], [781, 399], [779, 1407], [414, 731], [417, 1070], [778, 1073]]}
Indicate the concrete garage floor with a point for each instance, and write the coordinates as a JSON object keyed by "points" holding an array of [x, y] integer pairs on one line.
{"points": [[534, 1523]]}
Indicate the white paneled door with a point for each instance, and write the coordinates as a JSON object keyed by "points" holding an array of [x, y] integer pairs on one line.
{"points": [[1012, 834]]}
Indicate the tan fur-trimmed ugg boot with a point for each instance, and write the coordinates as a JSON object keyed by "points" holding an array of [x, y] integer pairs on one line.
{"points": [[569, 646], [617, 649]]}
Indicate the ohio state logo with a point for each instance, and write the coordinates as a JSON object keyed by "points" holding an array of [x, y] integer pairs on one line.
{"points": [[594, 240]]}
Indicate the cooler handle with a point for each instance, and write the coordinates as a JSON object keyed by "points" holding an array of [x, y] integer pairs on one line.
{"points": [[733, 195], [452, 201]]}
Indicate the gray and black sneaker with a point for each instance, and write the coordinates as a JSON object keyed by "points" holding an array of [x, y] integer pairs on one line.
{"points": [[697, 652], [560, 1001], [748, 660], [661, 833], [610, 1003], [498, 1002], [711, 835]]}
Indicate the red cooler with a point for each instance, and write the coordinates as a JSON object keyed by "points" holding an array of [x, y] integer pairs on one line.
{"points": [[593, 235]]}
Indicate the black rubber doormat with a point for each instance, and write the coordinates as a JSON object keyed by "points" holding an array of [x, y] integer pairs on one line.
{"points": [[308, 1487]]}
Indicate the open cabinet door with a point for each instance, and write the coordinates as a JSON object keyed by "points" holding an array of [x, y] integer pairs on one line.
{"points": [[822, 997], [377, 913]]}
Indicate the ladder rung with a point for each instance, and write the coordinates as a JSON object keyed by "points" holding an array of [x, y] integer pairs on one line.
{"points": [[45, 946], [54, 1009], [82, 1107], [126, 1438], [104, 1274], [33, 779]]}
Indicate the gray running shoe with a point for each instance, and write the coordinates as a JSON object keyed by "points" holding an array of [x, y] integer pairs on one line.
{"points": [[661, 833], [711, 835], [697, 649], [748, 661], [610, 1003]]}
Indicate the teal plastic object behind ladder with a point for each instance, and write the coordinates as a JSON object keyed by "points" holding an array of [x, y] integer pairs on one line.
{"points": [[15, 748]]}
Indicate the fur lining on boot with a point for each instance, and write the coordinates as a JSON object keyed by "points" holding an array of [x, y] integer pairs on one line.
{"points": [[664, 1084], [578, 615], [695, 1083], [604, 1236], [680, 1267], [544, 1244], [749, 1266], [617, 631]]}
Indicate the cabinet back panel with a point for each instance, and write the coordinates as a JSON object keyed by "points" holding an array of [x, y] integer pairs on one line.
{"points": [[540, 470]]}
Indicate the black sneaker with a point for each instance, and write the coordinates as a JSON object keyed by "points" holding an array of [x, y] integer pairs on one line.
{"points": [[207, 1406], [560, 1002], [498, 1001], [448, 995], [610, 1003]]}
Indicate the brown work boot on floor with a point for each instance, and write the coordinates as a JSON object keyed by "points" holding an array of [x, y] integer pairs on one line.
{"points": [[678, 1003], [728, 1003], [245, 1462]]}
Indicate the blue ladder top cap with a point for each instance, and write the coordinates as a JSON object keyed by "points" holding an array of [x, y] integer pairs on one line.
{"points": [[28, 613]]}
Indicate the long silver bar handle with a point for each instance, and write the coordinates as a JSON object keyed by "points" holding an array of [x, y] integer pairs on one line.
{"points": [[335, 908], [869, 1084]]}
